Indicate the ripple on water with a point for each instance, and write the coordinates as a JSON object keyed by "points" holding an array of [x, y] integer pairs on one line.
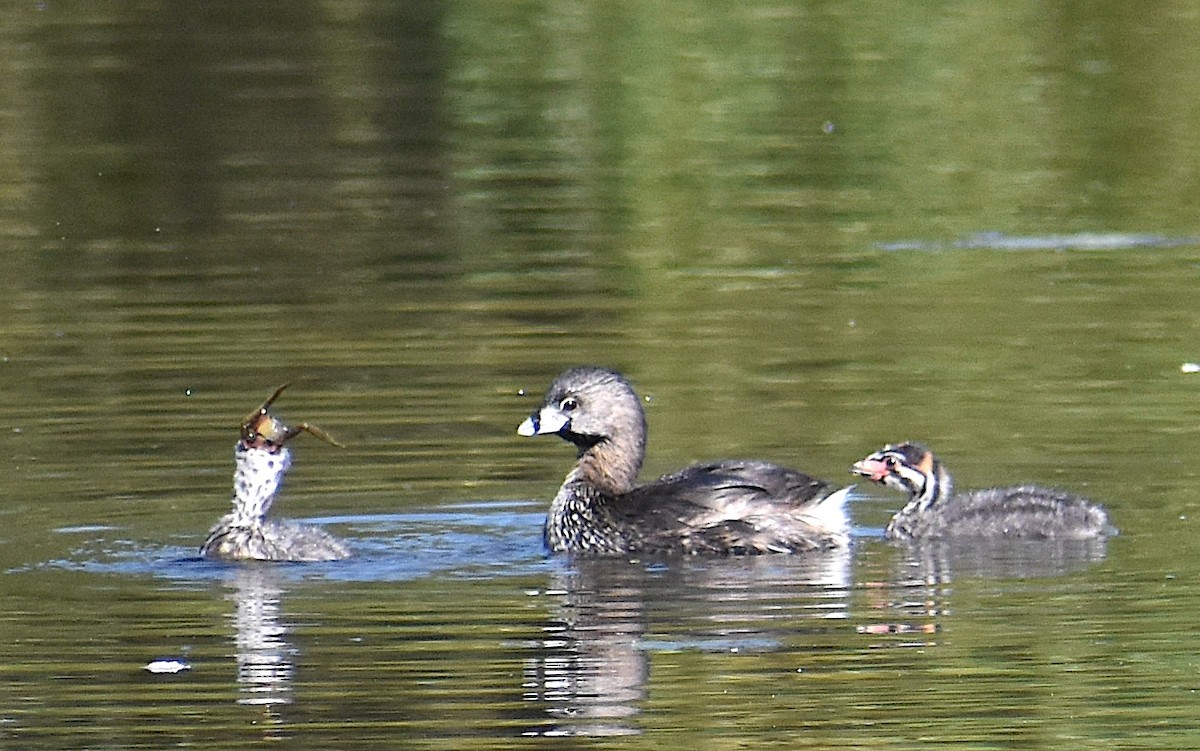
{"points": [[476, 540]]}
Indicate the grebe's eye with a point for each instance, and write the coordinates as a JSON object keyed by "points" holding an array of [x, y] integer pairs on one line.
{"points": [[569, 404], [891, 462]]}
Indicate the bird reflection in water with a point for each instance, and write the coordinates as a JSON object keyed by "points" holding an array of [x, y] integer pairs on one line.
{"points": [[592, 666], [591, 672], [917, 592], [265, 659]]}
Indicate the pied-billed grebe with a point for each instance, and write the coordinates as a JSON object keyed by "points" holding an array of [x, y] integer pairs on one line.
{"points": [[262, 460], [934, 510], [721, 507]]}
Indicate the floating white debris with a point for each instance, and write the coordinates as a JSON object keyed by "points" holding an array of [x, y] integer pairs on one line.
{"points": [[167, 666], [1190, 367]]}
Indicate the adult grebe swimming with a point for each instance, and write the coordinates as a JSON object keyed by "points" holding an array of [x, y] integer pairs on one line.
{"points": [[934, 510], [724, 507], [245, 533]]}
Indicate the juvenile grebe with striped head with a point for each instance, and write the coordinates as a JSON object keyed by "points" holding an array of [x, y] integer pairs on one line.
{"points": [[935, 510]]}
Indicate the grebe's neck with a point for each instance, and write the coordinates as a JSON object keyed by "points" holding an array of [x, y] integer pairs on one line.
{"points": [[611, 465], [256, 480], [936, 487]]}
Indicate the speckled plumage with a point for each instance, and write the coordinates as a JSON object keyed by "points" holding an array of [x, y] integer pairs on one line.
{"points": [[246, 534], [935, 510], [725, 507], [261, 462]]}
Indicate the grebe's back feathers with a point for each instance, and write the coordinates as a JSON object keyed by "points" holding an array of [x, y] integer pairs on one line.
{"points": [[1027, 511], [735, 506]]}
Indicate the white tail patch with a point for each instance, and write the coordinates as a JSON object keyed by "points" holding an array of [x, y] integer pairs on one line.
{"points": [[830, 512]]}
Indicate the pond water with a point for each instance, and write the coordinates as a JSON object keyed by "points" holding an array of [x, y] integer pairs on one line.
{"points": [[803, 230]]}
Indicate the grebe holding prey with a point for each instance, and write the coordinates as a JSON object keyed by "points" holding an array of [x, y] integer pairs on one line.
{"points": [[262, 460]]}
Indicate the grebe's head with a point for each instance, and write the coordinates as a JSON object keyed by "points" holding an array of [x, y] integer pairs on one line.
{"points": [[262, 430], [598, 411], [907, 467], [589, 405]]}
